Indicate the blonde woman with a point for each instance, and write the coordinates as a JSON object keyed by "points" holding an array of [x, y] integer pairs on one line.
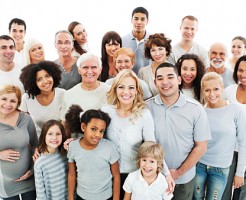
{"points": [[131, 123]]}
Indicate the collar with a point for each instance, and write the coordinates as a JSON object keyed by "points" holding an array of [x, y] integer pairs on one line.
{"points": [[145, 36], [179, 103]]}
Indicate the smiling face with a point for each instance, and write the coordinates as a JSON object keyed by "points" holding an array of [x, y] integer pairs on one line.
{"points": [[80, 34], [17, 32], [8, 103], [188, 72], [44, 81], [241, 73], [112, 47], [53, 138], [238, 48], [123, 61], [126, 91], [36, 53], [158, 53], [188, 29], [64, 44], [212, 92], [93, 132], [218, 55], [7, 51], [148, 167], [139, 21]]}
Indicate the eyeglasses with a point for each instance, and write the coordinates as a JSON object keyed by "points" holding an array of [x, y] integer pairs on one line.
{"points": [[66, 43]]}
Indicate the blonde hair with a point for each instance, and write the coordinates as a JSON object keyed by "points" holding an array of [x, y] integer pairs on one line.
{"points": [[153, 150], [211, 76], [8, 89], [138, 103], [27, 46], [127, 51]]}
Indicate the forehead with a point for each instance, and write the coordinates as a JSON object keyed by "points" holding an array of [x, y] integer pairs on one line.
{"points": [[238, 42], [139, 15], [189, 23], [9, 95], [242, 65], [17, 27], [90, 62], [6, 42], [218, 48], [123, 57], [213, 83], [63, 36], [78, 28], [127, 81], [165, 71], [36, 46]]}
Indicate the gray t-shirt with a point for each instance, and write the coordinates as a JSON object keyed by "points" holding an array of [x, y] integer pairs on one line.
{"points": [[177, 128], [22, 137], [94, 178]]}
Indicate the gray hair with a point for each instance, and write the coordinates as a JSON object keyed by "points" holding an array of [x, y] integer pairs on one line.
{"points": [[64, 31], [86, 56]]}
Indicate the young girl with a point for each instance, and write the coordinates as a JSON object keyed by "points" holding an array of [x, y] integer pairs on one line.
{"points": [[93, 161], [50, 169], [147, 182]]}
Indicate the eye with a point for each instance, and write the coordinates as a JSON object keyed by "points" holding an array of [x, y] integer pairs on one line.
{"points": [[93, 129], [131, 87], [39, 79], [120, 87], [49, 134]]}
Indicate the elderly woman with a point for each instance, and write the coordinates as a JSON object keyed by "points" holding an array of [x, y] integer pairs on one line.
{"points": [[17, 144], [43, 99], [111, 42], [124, 58], [33, 51]]}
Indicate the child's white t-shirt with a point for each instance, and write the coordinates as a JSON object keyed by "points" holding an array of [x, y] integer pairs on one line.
{"points": [[140, 189]]}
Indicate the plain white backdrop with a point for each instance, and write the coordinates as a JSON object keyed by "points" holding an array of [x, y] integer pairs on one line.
{"points": [[219, 21]]}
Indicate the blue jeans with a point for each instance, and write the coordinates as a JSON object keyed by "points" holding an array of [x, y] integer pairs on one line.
{"points": [[214, 178]]}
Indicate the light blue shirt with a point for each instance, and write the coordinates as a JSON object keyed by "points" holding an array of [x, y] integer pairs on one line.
{"points": [[177, 128]]}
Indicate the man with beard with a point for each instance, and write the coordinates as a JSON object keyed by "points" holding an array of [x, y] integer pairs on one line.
{"points": [[136, 39], [218, 55]]}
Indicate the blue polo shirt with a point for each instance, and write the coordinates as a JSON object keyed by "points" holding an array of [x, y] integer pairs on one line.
{"points": [[177, 127]]}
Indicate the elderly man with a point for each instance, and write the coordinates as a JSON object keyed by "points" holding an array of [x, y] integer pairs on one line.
{"points": [[188, 29], [9, 71], [181, 127], [218, 56], [90, 93], [17, 30], [67, 63]]}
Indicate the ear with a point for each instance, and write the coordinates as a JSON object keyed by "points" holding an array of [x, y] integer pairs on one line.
{"points": [[179, 80], [155, 81], [83, 127]]}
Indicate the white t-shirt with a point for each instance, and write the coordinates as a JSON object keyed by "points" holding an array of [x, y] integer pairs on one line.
{"points": [[141, 190]]}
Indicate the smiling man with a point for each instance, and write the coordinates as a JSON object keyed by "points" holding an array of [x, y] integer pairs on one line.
{"points": [[181, 127], [17, 30], [188, 29], [136, 39], [218, 56]]}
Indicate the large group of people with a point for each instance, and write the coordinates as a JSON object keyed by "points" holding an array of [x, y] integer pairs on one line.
{"points": [[145, 120]]}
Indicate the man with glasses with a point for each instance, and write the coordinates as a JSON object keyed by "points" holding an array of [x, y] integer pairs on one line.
{"points": [[67, 62]]}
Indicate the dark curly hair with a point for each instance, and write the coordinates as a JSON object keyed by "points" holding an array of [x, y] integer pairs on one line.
{"points": [[200, 68], [243, 58], [29, 73], [160, 40], [77, 46], [115, 37]]}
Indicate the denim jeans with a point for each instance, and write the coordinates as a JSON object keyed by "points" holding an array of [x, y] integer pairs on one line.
{"points": [[213, 179]]}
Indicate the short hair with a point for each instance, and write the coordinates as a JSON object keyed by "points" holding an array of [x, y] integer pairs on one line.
{"points": [[8, 89], [200, 68], [138, 103], [160, 40], [190, 17], [29, 73], [243, 39], [7, 37], [27, 46], [241, 59], [141, 10], [115, 37], [64, 31], [152, 150], [77, 46], [42, 146], [165, 65], [86, 56], [211, 76], [128, 51], [17, 21]]}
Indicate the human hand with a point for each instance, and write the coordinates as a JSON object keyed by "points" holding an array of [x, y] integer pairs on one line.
{"points": [[36, 155], [171, 183], [9, 155], [66, 143], [174, 173], [25, 176], [238, 182]]}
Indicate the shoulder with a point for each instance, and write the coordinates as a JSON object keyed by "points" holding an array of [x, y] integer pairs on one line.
{"points": [[193, 102], [104, 86]]}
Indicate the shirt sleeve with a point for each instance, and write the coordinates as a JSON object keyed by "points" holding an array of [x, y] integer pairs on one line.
{"points": [[23, 105], [39, 182], [64, 108], [32, 134], [128, 184], [148, 127], [114, 154]]}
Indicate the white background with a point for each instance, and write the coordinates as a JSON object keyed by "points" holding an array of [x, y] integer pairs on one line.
{"points": [[219, 21]]}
